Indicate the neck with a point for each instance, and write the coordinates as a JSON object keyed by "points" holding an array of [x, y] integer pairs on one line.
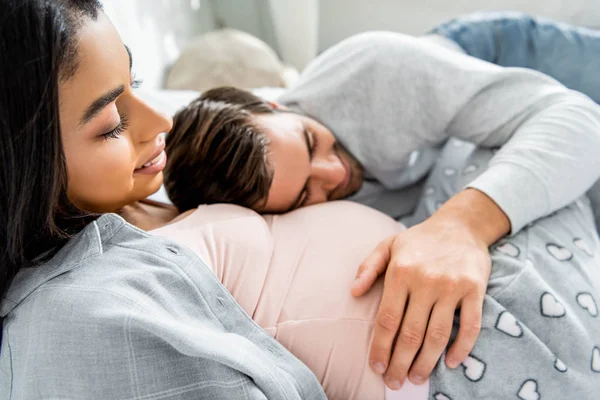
{"points": [[148, 215]]}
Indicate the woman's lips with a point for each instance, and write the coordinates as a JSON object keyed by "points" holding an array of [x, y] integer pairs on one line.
{"points": [[154, 166], [156, 163]]}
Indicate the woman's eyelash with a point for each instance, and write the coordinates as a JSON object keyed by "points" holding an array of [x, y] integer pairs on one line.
{"points": [[115, 133], [136, 83]]}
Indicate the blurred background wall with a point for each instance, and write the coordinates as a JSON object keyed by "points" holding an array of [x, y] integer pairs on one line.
{"points": [[157, 30]]}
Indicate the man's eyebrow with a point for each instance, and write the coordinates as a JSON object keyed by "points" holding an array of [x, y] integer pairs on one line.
{"points": [[298, 200], [99, 104]]}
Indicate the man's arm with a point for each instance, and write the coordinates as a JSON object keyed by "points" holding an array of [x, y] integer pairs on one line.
{"points": [[386, 95]]}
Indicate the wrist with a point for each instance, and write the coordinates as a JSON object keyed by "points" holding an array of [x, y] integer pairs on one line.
{"points": [[478, 214]]}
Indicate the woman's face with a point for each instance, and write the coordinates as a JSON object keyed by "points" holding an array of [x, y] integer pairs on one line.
{"points": [[112, 140], [310, 167]]}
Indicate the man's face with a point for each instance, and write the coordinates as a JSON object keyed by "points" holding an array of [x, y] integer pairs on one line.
{"points": [[309, 166]]}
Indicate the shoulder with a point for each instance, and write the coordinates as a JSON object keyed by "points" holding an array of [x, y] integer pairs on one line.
{"points": [[373, 42], [388, 49], [116, 341], [112, 299], [112, 270], [360, 52]]}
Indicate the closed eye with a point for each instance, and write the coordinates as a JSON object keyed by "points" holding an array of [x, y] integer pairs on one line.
{"points": [[119, 129], [315, 144], [312, 142]]}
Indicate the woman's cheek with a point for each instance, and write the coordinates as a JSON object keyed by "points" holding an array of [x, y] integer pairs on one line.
{"points": [[120, 156], [107, 168]]}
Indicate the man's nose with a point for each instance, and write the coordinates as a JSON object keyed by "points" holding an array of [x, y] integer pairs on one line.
{"points": [[328, 172]]}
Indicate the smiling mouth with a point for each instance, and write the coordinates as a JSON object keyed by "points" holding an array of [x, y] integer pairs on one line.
{"points": [[153, 167], [155, 161], [158, 156]]}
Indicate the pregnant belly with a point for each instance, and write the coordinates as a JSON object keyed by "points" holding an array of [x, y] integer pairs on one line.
{"points": [[292, 274], [306, 302]]}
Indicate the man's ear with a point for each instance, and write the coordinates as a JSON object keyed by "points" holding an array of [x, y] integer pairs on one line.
{"points": [[277, 106]]}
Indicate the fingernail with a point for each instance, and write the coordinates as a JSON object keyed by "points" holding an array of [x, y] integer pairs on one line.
{"points": [[416, 379], [379, 368], [452, 363], [394, 384]]}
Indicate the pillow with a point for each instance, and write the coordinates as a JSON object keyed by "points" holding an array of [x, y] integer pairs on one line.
{"points": [[292, 274], [228, 57]]}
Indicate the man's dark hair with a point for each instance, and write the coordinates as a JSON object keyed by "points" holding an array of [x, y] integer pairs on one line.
{"points": [[215, 152]]}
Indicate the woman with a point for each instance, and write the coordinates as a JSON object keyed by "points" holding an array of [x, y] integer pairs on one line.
{"points": [[108, 307], [77, 143]]}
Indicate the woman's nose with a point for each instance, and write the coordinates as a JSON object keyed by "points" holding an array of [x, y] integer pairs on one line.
{"points": [[152, 122]]}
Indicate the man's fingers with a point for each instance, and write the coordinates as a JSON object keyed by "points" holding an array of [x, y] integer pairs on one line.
{"points": [[436, 340], [373, 266], [387, 323], [410, 338], [468, 331]]}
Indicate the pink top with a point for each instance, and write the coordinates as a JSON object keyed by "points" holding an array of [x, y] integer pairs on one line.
{"points": [[292, 274]]}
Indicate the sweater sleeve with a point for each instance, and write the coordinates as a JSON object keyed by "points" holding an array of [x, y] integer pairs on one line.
{"points": [[391, 99]]}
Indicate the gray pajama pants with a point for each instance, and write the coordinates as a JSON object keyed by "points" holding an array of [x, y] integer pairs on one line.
{"points": [[540, 336]]}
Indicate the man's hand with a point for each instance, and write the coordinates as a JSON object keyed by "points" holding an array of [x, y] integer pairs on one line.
{"points": [[431, 270]]}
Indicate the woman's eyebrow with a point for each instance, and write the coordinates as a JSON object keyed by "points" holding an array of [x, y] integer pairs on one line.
{"points": [[98, 105]]}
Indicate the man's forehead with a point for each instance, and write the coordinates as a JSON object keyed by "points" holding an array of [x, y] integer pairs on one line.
{"points": [[280, 125]]}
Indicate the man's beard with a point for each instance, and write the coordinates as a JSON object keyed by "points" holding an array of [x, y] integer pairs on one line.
{"points": [[356, 174]]}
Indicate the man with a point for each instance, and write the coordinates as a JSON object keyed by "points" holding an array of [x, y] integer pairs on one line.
{"points": [[392, 101]]}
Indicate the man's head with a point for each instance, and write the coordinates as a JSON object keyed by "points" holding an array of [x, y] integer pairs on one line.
{"points": [[230, 146]]}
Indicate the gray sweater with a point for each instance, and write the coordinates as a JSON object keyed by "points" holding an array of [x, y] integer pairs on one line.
{"points": [[393, 100]]}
